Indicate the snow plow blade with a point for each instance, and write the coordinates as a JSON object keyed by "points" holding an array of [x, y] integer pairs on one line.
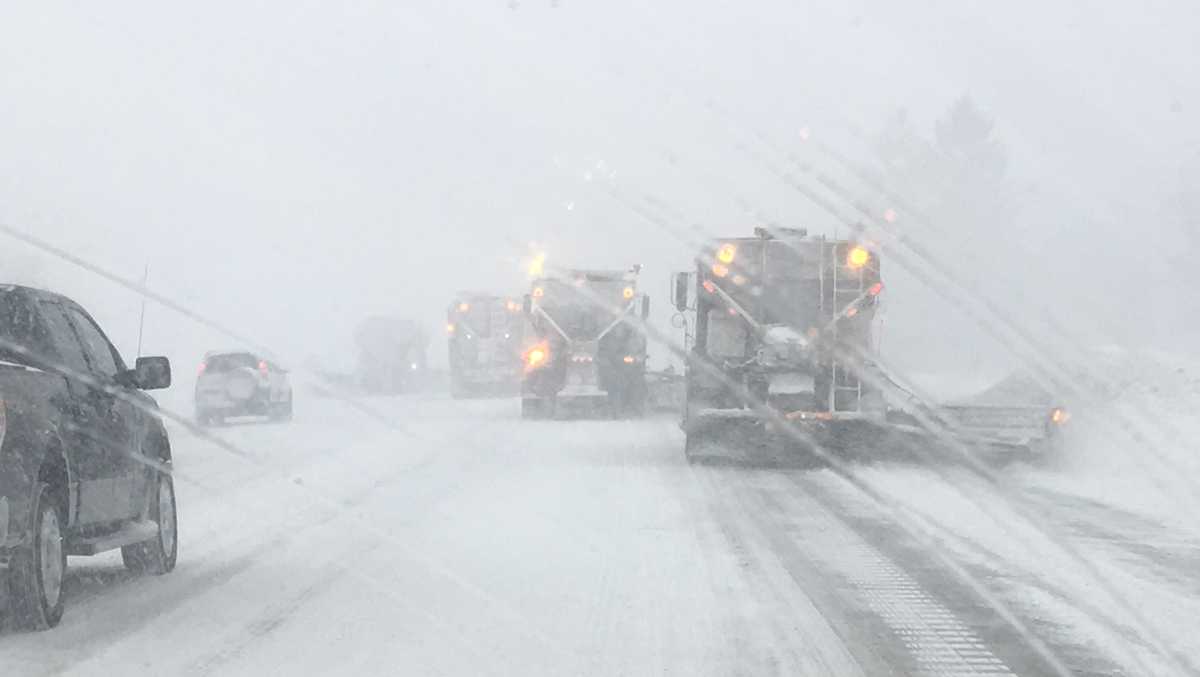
{"points": [[1005, 433], [743, 438]]}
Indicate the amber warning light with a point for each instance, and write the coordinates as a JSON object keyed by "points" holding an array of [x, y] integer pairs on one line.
{"points": [[536, 356], [858, 257]]}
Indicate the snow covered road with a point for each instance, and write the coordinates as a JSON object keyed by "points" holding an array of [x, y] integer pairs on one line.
{"points": [[470, 542]]}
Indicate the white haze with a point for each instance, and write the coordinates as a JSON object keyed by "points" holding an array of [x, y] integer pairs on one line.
{"points": [[287, 168]]}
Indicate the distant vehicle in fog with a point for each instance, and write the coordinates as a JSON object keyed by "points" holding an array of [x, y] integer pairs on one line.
{"points": [[483, 336], [241, 383], [586, 348], [391, 354], [85, 463]]}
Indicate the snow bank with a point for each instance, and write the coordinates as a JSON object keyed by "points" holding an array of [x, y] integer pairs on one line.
{"points": [[1134, 439]]}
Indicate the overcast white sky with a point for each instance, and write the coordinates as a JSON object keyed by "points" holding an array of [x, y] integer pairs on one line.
{"points": [[290, 167]]}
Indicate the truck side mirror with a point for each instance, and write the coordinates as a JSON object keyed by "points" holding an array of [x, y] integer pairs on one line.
{"points": [[152, 373], [527, 308], [679, 292], [645, 308]]}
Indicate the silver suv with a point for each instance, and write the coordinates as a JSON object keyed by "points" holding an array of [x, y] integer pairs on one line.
{"points": [[241, 383]]}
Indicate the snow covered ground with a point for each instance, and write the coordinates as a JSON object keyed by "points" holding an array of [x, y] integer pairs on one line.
{"points": [[1102, 542], [1135, 443], [462, 540]]}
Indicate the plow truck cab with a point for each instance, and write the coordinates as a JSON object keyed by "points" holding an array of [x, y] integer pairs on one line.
{"points": [[585, 350]]}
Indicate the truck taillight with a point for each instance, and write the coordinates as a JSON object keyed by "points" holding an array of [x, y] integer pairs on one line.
{"points": [[263, 368], [203, 366]]}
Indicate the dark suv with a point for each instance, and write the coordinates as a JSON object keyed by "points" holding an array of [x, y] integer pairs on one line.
{"points": [[85, 463]]}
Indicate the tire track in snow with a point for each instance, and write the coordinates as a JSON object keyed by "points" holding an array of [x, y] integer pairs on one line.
{"points": [[1150, 548], [793, 620], [936, 639], [952, 606], [274, 617], [1026, 588], [1036, 579]]}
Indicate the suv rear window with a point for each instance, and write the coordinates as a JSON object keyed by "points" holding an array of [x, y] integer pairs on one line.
{"points": [[218, 364]]}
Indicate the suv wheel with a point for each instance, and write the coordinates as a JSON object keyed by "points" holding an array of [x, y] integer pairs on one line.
{"points": [[157, 555], [281, 411], [37, 570]]}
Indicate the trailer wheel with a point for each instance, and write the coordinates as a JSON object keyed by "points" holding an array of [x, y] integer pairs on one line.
{"points": [[534, 408], [637, 401], [628, 401], [615, 401], [689, 446], [697, 448]]}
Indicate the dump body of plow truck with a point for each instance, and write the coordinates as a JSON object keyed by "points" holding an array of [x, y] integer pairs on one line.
{"points": [[585, 351], [484, 337]]}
